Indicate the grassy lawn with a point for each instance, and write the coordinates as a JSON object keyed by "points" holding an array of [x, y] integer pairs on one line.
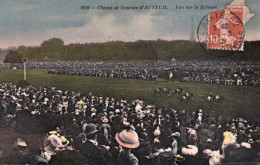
{"points": [[240, 101]]}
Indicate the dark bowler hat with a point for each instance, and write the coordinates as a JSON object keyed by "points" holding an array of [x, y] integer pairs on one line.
{"points": [[90, 129]]}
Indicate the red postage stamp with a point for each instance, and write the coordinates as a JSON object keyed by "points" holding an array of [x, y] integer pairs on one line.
{"points": [[226, 29]]}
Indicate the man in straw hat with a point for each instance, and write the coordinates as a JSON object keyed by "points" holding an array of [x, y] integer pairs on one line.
{"points": [[128, 140], [90, 148]]}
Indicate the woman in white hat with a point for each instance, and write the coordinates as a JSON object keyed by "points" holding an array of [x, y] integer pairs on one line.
{"points": [[128, 140], [53, 144]]}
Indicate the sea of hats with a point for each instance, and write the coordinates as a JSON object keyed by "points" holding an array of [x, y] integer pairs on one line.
{"points": [[144, 128]]}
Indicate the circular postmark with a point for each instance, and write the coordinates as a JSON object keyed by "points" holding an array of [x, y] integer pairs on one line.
{"points": [[221, 33]]}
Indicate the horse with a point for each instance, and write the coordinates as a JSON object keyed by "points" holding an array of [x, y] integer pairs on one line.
{"points": [[208, 99], [178, 90], [214, 99], [162, 91], [219, 99], [189, 95], [158, 91], [186, 97], [166, 91]]}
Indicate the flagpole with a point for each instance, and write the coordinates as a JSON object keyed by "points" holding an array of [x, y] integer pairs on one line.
{"points": [[24, 71], [24, 68]]}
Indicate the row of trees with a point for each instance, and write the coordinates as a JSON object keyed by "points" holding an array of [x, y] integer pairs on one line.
{"points": [[55, 50]]}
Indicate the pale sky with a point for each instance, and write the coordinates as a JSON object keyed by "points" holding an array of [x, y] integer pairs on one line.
{"points": [[30, 22]]}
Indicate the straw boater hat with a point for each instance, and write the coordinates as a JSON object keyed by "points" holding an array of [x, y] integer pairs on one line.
{"points": [[175, 134], [128, 139], [157, 132], [93, 114], [52, 133], [105, 120], [250, 140], [193, 132], [21, 142], [93, 110], [180, 158], [117, 111], [64, 141]]}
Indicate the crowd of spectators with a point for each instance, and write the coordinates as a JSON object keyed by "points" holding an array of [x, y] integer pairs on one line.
{"points": [[214, 72], [113, 131]]}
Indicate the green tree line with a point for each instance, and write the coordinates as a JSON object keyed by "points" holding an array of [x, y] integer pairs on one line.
{"points": [[55, 50]]}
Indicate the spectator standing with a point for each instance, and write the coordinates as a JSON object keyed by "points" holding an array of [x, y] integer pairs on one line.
{"points": [[90, 148], [128, 140]]}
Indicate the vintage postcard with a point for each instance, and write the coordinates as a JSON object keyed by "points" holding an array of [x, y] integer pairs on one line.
{"points": [[130, 82]]}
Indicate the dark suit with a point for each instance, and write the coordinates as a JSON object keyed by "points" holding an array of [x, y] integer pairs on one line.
{"points": [[93, 154]]}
